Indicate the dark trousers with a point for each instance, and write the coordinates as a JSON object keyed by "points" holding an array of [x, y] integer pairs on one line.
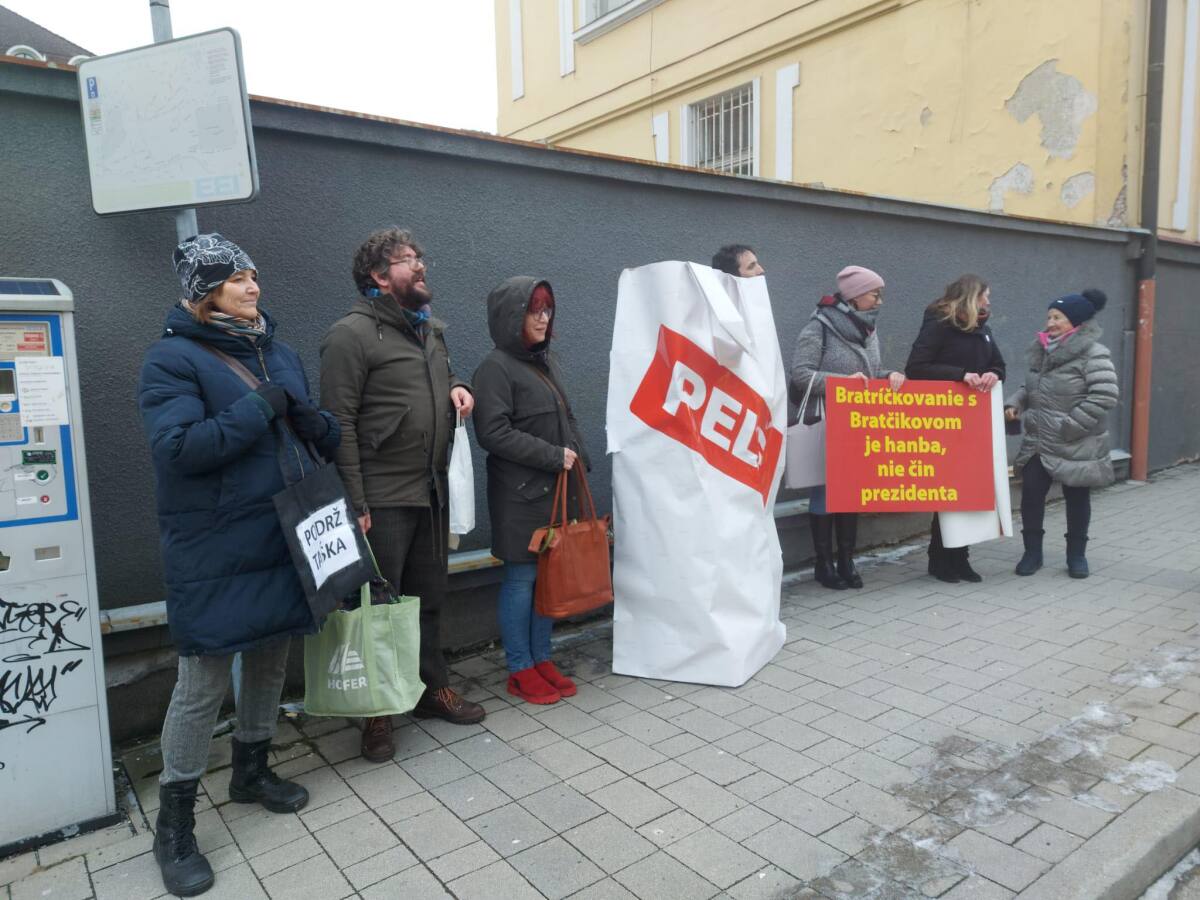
{"points": [[1035, 484], [410, 544]]}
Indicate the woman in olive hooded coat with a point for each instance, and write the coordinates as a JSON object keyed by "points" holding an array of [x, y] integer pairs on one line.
{"points": [[524, 422]]}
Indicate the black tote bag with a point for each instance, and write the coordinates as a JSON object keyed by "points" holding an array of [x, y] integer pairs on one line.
{"points": [[328, 548]]}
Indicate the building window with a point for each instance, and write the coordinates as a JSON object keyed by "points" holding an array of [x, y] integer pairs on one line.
{"points": [[598, 17], [594, 9], [723, 132]]}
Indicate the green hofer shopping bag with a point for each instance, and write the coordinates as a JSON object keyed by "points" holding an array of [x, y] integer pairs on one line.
{"points": [[364, 661]]}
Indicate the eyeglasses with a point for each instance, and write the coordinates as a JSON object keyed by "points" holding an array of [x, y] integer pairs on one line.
{"points": [[546, 312], [412, 262]]}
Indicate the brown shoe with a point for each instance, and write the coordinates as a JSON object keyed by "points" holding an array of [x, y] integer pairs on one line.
{"points": [[377, 743], [446, 703]]}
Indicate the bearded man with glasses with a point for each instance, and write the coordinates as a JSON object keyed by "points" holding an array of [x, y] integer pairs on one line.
{"points": [[385, 375]]}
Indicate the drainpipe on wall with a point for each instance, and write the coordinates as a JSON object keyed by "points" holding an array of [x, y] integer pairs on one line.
{"points": [[1144, 335]]}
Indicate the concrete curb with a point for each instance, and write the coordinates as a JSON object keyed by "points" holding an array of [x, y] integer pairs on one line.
{"points": [[1127, 856]]}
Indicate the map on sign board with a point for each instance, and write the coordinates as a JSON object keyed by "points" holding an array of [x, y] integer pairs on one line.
{"points": [[168, 125]]}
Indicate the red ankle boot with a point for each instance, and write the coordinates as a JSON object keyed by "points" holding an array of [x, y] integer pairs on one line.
{"points": [[530, 686], [556, 679]]}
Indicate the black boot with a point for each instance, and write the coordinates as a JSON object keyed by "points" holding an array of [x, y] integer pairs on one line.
{"points": [[961, 561], [254, 782], [185, 871], [939, 557], [1077, 566], [846, 525], [822, 538], [1032, 560]]}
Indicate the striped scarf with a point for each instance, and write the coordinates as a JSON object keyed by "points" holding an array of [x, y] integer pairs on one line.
{"points": [[251, 331]]}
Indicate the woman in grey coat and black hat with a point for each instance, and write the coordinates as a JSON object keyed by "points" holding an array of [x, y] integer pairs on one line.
{"points": [[1069, 389], [838, 340]]}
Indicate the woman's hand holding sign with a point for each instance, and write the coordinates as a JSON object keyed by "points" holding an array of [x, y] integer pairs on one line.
{"points": [[981, 382]]}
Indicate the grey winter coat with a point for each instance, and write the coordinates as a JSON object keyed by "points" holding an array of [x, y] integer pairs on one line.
{"points": [[1064, 403], [523, 423], [829, 344]]}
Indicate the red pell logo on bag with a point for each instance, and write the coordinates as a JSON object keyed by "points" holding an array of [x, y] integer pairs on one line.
{"points": [[690, 397]]}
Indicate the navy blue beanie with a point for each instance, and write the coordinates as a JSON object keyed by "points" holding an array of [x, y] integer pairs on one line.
{"points": [[1080, 307]]}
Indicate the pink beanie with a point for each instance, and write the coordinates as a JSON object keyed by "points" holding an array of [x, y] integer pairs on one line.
{"points": [[854, 281]]}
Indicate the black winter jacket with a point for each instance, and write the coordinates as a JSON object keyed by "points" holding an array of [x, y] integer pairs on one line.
{"points": [[522, 423], [942, 352]]}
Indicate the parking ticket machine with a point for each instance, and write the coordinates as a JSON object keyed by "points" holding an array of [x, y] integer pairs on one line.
{"points": [[55, 758]]}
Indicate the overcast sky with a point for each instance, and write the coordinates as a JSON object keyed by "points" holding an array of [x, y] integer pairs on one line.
{"points": [[431, 61]]}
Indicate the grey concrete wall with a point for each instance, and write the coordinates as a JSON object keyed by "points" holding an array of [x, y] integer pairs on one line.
{"points": [[1175, 403]]}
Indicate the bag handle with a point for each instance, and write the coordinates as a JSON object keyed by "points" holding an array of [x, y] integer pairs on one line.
{"points": [[558, 514], [813, 378]]}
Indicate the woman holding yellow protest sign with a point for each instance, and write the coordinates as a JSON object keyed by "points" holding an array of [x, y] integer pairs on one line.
{"points": [[1069, 389], [838, 340], [956, 344]]}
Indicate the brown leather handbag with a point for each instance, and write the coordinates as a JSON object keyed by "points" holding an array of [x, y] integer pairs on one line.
{"points": [[573, 576]]}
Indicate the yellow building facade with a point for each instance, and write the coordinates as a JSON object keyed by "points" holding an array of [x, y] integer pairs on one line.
{"points": [[1025, 107]]}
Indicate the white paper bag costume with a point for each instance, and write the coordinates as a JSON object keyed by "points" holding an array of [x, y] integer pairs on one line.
{"points": [[697, 410]]}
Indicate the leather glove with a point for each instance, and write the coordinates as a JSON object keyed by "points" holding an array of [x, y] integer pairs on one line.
{"points": [[276, 396], [307, 422]]}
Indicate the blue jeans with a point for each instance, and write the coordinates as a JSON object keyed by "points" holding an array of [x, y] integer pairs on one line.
{"points": [[526, 635], [816, 500]]}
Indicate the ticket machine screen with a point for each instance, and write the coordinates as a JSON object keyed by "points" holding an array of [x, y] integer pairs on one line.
{"points": [[36, 481]]}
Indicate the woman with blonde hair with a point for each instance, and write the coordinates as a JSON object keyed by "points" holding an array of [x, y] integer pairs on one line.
{"points": [[956, 344]]}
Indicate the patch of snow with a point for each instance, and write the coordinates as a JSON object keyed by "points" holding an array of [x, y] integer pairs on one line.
{"points": [[1161, 889], [1171, 663]]}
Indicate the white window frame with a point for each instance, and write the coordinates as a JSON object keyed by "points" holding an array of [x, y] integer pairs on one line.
{"points": [[787, 80], [631, 9], [566, 40], [516, 49], [687, 114]]}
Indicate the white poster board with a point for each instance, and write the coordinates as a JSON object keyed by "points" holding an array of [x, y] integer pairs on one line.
{"points": [[961, 529], [168, 125]]}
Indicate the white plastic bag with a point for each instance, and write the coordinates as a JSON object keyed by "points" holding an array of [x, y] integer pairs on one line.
{"points": [[805, 449], [461, 477], [697, 408]]}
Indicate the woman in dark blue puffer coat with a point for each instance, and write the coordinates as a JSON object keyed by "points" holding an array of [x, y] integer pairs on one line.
{"points": [[231, 583]]}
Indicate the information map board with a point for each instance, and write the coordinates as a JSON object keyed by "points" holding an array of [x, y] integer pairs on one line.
{"points": [[168, 125]]}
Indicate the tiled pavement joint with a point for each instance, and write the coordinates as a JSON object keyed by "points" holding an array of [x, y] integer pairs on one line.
{"points": [[1035, 737]]}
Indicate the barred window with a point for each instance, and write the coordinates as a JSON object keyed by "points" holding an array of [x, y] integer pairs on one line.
{"points": [[722, 131], [594, 9]]}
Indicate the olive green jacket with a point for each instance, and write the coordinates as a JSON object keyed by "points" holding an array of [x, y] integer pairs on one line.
{"points": [[390, 390]]}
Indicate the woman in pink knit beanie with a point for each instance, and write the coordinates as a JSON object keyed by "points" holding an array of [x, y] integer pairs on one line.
{"points": [[838, 340]]}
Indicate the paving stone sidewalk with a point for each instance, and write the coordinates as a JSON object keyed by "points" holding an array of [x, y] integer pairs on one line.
{"points": [[1035, 736]]}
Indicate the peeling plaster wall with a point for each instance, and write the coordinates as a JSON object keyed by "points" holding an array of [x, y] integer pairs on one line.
{"points": [[1022, 106]]}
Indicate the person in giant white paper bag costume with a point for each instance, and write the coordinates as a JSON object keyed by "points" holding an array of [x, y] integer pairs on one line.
{"points": [[697, 410]]}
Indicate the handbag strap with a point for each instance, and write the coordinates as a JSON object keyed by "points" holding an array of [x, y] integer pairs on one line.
{"points": [[561, 486], [558, 512]]}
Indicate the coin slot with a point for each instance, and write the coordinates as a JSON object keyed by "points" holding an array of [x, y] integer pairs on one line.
{"points": [[41, 554], [39, 435]]}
